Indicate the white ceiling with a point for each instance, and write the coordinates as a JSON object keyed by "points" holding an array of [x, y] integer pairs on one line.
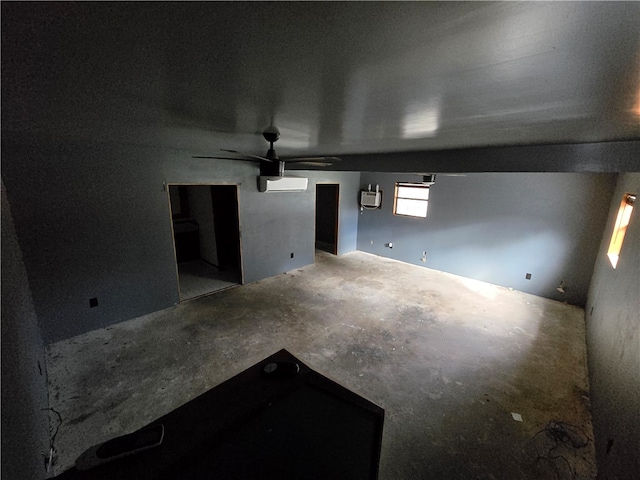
{"points": [[354, 77]]}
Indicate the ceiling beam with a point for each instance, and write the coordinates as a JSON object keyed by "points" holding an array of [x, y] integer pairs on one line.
{"points": [[604, 157]]}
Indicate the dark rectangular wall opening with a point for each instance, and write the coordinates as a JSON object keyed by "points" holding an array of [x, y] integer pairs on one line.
{"points": [[206, 233], [327, 201], [224, 199]]}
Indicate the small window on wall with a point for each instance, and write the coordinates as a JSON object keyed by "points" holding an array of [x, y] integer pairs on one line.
{"points": [[411, 200], [620, 228]]}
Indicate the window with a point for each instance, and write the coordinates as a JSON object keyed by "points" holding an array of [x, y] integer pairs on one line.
{"points": [[620, 228], [411, 200]]}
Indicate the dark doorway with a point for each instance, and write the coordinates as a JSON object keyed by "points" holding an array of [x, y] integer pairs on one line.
{"points": [[206, 235], [327, 200], [225, 217]]}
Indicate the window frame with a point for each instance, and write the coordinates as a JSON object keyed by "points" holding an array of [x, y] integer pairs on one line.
{"points": [[397, 196]]}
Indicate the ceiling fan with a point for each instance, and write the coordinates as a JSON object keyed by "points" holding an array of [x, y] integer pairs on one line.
{"points": [[271, 164]]}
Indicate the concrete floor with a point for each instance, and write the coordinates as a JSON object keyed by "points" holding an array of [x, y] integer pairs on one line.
{"points": [[197, 278], [449, 359]]}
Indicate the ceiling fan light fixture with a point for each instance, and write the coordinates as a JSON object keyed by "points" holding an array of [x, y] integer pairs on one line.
{"points": [[271, 134]]}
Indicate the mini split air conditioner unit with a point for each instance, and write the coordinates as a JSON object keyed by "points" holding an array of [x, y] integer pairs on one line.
{"points": [[282, 184], [429, 179]]}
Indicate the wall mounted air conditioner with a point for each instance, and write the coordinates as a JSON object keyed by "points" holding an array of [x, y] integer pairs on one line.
{"points": [[370, 199], [282, 184]]}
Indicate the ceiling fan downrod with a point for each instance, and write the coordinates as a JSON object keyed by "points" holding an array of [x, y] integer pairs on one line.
{"points": [[271, 134]]}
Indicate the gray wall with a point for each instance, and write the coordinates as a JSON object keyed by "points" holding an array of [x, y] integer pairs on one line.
{"points": [[25, 426], [93, 220], [613, 346], [497, 227]]}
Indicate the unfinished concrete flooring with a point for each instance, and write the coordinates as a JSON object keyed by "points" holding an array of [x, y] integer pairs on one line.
{"points": [[449, 359]]}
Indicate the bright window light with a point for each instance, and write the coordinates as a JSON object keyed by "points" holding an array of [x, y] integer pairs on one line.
{"points": [[411, 200], [620, 228]]}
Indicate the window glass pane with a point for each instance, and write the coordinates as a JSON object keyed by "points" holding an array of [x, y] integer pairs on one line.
{"points": [[421, 193], [415, 208], [620, 228]]}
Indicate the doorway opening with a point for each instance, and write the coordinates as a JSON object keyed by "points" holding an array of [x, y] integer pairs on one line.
{"points": [[327, 201], [206, 236]]}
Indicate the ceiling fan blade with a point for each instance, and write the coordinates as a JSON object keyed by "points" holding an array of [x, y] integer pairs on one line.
{"points": [[227, 158], [327, 160], [256, 157], [315, 164], [216, 157]]}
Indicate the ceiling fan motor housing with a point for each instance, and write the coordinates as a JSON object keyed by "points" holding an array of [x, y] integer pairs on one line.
{"points": [[272, 169]]}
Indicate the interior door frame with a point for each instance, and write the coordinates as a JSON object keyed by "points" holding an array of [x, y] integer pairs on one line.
{"points": [[173, 239], [337, 225]]}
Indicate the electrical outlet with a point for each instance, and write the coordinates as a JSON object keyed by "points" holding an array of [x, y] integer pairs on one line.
{"points": [[93, 302], [528, 276], [423, 259]]}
